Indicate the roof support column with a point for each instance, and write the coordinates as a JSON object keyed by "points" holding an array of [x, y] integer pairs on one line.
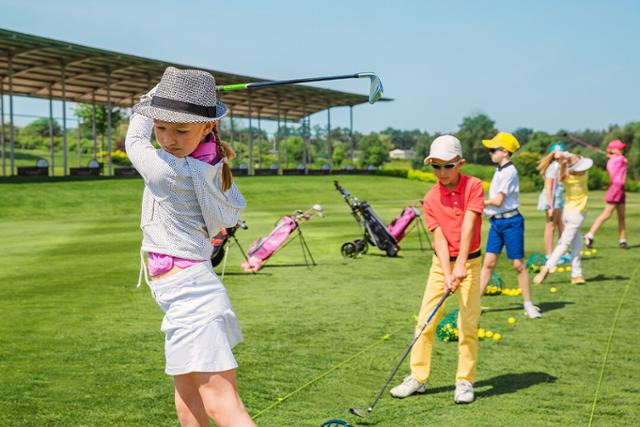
{"points": [[78, 144], [286, 138], [12, 136], [93, 125], [52, 161], [329, 145], [233, 134], [64, 123], [353, 146], [110, 172], [277, 140], [250, 171], [306, 156], [259, 139], [2, 144]]}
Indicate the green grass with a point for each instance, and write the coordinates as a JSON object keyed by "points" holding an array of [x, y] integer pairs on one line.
{"points": [[80, 345]]}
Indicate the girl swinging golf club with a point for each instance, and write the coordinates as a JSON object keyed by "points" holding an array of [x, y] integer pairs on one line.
{"points": [[184, 203]]}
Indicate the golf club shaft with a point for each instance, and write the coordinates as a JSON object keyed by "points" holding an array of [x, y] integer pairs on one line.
{"points": [[242, 86], [404, 356], [584, 144]]}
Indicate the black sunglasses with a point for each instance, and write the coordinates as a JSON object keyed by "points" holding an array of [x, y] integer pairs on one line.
{"points": [[493, 150], [446, 166]]}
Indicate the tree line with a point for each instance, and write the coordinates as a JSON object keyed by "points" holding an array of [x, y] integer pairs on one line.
{"points": [[298, 142]]}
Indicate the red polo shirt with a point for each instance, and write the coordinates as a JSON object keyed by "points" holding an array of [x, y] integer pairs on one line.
{"points": [[445, 208]]}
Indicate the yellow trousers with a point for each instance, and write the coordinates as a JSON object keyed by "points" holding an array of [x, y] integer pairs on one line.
{"points": [[469, 301]]}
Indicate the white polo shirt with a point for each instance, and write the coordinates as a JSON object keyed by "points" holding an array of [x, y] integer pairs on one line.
{"points": [[505, 180]]}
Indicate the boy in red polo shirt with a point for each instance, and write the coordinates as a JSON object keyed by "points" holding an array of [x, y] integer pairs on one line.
{"points": [[453, 212]]}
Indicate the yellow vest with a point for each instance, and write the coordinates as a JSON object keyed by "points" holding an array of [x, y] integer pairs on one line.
{"points": [[576, 192]]}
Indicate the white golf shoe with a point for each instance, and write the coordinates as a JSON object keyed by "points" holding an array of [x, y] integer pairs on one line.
{"points": [[464, 392], [408, 387], [532, 312]]}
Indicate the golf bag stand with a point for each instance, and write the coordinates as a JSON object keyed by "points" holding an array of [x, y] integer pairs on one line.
{"points": [[219, 242], [303, 245], [226, 255], [422, 230]]}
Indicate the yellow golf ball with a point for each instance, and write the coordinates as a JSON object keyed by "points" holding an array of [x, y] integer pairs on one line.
{"points": [[582, 252], [511, 320], [593, 251], [481, 333], [497, 336], [488, 334], [553, 290], [554, 269], [568, 268], [587, 253], [560, 270]]}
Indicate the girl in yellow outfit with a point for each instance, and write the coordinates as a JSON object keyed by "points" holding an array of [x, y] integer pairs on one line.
{"points": [[574, 175]]}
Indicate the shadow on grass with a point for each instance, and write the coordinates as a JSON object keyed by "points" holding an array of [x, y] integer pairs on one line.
{"points": [[555, 305], [287, 265], [245, 273], [381, 254], [604, 278], [502, 384], [544, 307]]}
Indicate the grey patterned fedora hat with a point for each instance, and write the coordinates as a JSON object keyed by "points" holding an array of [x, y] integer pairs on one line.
{"points": [[183, 96]]}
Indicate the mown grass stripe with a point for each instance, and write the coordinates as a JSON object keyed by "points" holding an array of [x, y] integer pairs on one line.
{"points": [[609, 340], [279, 400]]}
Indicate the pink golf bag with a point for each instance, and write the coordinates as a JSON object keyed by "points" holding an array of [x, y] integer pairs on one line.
{"points": [[262, 249], [399, 226], [408, 220]]}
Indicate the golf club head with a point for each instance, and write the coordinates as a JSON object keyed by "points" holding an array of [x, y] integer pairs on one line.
{"points": [[360, 412], [318, 209], [335, 423], [375, 89]]}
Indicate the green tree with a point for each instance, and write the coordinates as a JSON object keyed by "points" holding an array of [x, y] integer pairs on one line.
{"points": [[40, 127], [84, 113], [295, 148], [526, 163], [422, 150], [472, 131], [523, 135], [374, 149], [539, 142], [338, 154]]}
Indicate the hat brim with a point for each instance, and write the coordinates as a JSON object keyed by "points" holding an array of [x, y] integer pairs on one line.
{"points": [[146, 109], [490, 143], [582, 165], [427, 160]]}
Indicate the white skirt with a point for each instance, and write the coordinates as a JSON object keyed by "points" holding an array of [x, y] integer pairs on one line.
{"points": [[199, 324]]}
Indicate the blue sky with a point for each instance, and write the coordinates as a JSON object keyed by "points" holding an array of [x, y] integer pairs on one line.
{"points": [[541, 64]]}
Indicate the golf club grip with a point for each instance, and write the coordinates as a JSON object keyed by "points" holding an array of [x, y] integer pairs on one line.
{"points": [[404, 356]]}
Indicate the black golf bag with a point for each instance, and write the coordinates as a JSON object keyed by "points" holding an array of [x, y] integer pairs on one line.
{"points": [[221, 239], [375, 230]]}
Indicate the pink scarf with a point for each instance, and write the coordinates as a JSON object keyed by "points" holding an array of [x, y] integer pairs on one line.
{"points": [[207, 150]]}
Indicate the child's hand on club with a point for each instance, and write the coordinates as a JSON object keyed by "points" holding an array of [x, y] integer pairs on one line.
{"points": [[459, 271], [450, 283]]}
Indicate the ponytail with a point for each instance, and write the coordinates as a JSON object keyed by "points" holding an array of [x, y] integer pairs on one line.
{"points": [[227, 154], [544, 163]]}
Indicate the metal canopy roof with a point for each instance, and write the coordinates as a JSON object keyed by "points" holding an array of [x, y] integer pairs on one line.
{"points": [[39, 64]]}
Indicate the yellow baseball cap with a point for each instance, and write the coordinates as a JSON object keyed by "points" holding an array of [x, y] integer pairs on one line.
{"points": [[504, 140]]}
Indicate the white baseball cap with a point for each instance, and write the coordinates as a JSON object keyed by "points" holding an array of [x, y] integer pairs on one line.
{"points": [[581, 165], [444, 147]]}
